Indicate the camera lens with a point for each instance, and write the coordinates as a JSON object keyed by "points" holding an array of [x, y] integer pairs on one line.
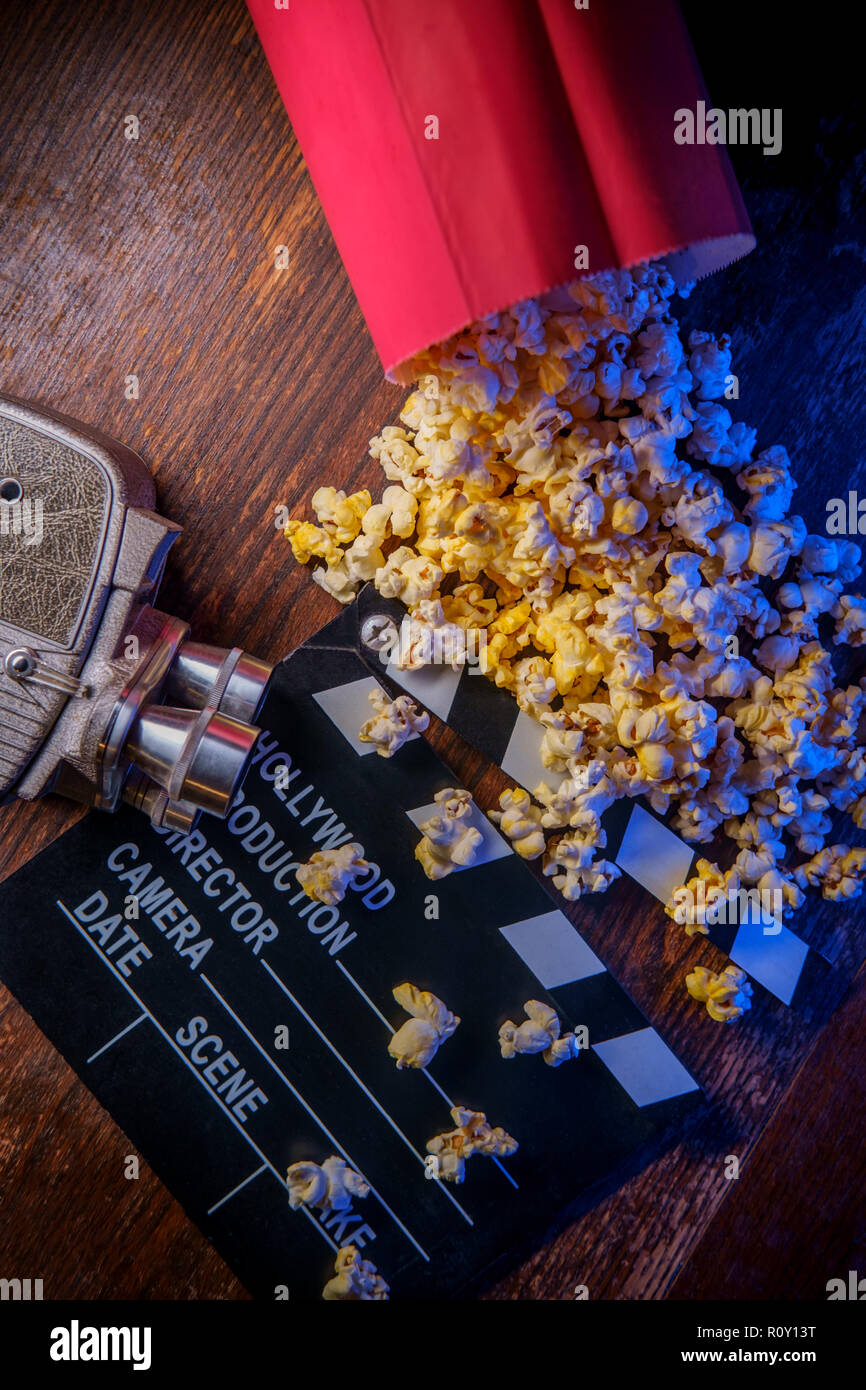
{"points": [[199, 670], [196, 757]]}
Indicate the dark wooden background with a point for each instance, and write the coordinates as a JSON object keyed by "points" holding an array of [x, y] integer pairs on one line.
{"points": [[156, 257]]}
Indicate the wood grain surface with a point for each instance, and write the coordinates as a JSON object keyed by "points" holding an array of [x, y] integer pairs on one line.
{"points": [[155, 257]]}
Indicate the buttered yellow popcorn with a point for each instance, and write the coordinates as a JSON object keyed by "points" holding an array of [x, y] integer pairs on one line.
{"points": [[408, 576], [358, 563], [311, 542], [340, 515], [520, 820], [702, 896], [727, 994], [468, 607], [567, 483]]}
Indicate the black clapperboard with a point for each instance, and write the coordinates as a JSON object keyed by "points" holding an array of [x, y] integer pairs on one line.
{"points": [[175, 1019]]}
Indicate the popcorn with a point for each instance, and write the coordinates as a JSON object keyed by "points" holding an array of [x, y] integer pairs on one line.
{"points": [[408, 576], [701, 896], [394, 722], [629, 515], [727, 994], [709, 364], [520, 820], [394, 451], [567, 477], [418, 1041], [331, 1187], [803, 688], [811, 827], [330, 872], [472, 1135], [838, 871], [845, 782], [559, 746], [732, 546], [573, 869], [777, 654], [841, 717], [820, 555], [428, 638], [402, 509], [780, 885], [752, 863], [360, 562], [534, 686], [850, 615], [769, 484], [588, 789], [701, 507], [356, 1280], [341, 516], [468, 607], [711, 429], [311, 542], [541, 1033], [773, 543], [447, 839]]}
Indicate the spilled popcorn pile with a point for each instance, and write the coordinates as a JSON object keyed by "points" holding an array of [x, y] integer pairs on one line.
{"points": [[568, 480]]}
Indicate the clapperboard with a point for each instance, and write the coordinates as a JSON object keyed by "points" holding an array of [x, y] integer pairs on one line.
{"points": [[177, 1020], [638, 841]]}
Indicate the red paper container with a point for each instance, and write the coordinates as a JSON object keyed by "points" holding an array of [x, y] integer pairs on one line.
{"points": [[463, 149]]}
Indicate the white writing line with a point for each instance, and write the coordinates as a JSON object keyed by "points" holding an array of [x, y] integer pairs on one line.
{"points": [[189, 1066], [424, 1072], [216, 1206], [369, 1094], [310, 1111], [111, 1041], [352, 981]]}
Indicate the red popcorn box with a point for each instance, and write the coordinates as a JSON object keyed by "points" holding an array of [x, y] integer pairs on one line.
{"points": [[470, 154]]}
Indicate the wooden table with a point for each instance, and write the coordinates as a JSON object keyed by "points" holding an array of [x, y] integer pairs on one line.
{"points": [[155, 258]]}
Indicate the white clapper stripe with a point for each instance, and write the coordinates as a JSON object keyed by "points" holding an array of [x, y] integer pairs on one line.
{"points": [[186, 1062], [368, 1093], [424, 1072], [311, 1112]]}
